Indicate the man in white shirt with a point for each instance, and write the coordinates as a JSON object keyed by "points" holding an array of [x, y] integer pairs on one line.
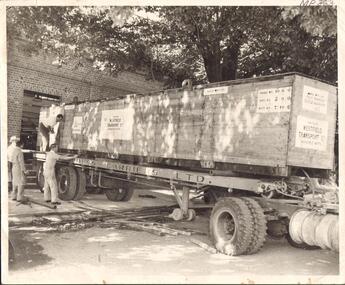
{"points": [[18, 172], [10, 149], [49, 130], [50, 183]]}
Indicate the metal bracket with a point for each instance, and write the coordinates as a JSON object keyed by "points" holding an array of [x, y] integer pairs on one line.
{"points": [[91, 180], [100, 181]]}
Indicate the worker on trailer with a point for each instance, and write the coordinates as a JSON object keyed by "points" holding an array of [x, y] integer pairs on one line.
{"points": [[50, 183], [18, 172], [49, 130], [10, 149]]}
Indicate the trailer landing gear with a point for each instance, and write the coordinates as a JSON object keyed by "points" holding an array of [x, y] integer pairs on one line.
{"points": [[183, 212], [177, 215]]}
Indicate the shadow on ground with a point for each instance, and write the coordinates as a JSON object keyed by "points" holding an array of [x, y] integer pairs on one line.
{"points": [[27, 252]]}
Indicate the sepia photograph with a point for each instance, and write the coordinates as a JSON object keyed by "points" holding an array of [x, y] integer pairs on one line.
{"points": [[171, 143]]}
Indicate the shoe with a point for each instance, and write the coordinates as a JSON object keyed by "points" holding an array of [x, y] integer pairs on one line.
{"points": [[56, 203], [47, 201]]}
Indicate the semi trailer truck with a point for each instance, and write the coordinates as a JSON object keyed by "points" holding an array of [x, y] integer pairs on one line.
{"points": [[259, 152]]}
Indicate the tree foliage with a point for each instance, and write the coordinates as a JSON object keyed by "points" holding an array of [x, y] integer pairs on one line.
{"points": [[207, 44]]}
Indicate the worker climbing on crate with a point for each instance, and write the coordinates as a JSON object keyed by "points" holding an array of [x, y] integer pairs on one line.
{"points": [[50, 183], [49, 130]]}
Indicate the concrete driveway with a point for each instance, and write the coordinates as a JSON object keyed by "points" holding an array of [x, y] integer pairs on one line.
{"points": [[110, 255]]}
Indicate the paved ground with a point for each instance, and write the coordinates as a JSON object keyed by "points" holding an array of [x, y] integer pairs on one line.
{"points": [[18, 212], [106, 255]]}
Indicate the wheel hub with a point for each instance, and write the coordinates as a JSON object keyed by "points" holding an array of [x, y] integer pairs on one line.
{"points": [[63, 184], [226, 226]]}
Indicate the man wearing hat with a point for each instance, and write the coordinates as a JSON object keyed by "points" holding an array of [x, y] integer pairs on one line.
{"points": [[10, 149]]}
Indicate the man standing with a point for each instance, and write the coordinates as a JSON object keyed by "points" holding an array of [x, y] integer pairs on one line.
{"points": [[18, 173], [49, 130], [10, 149], [50, 183]]}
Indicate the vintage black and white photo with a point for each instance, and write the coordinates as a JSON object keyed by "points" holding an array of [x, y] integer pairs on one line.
{"points": [[171, 143]]}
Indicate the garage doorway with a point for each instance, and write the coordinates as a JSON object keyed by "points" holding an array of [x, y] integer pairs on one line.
{"points": [[32, 103]]}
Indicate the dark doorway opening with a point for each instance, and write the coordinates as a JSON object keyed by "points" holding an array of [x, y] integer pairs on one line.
{"points": [[32, 103]]}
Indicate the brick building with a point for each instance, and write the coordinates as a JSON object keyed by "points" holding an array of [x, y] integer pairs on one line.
{"points": [[33, 81]]}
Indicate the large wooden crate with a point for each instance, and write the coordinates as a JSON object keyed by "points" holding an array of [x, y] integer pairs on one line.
{"points": [[275, 121]]}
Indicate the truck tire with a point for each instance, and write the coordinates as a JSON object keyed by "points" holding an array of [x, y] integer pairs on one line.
{"points": [[128, 194], [119, 194], [40, 177], [67, 182], [231, 226], [81, 187], [259, 226], [112, 194]]}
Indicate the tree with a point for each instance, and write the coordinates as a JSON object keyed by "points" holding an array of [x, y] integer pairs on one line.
{"points": [[303, 40], [207, 44], [216, 33]]}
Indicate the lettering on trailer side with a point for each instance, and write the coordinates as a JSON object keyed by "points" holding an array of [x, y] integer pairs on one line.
{"points": [[235, 182], [200, 179]]}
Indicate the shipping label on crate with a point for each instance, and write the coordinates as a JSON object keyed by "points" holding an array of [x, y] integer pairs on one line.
{"points": [[311, 133], [69, 107], [274, 100], [216, 90], [117, 124], [77, 125], [315, 99]]}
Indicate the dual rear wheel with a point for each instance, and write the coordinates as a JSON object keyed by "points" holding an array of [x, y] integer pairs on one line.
{"points": [[72, 185], [238, 226]]}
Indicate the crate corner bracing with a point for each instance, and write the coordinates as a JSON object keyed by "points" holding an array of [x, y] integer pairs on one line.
{"points": [[274, 121]]}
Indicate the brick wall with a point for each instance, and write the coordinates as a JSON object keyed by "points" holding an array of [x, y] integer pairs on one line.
{"points": [[36, 73]]}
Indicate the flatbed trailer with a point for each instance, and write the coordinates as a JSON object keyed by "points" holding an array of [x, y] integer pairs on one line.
{"points": [[254, 150], [245, 208]]}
